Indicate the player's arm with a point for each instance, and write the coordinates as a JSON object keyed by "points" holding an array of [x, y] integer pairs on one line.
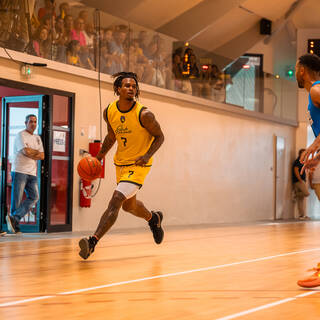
{"points": [[33, 154], [109, 140], [315, 146], [150, 123]]}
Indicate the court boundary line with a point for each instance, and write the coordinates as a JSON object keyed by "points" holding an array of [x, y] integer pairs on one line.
{"points": [[266, 306], [11, 303]]}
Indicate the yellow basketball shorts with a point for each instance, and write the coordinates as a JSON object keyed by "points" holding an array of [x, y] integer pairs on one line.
{"points": [[133, 174]]}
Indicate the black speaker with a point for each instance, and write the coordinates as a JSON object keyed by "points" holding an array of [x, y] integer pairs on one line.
{"points": [[265, 26]]}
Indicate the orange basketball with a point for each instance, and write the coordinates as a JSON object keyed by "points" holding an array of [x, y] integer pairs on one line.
{"points": [[89, 168]]}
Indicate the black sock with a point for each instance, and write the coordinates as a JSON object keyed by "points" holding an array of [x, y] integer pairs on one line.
{"points": [[94, 240]]}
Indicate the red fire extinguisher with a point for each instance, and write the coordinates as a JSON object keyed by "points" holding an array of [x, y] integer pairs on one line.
{"points": [[85, 193], [94, 148]]}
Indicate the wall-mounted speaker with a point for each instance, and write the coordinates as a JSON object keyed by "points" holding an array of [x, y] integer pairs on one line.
{"points": [[265, 26]]}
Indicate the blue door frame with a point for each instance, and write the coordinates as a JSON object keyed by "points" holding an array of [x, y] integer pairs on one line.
{"points": [[4, 156]]}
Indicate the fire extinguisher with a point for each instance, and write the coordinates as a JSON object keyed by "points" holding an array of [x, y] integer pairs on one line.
{"points": [[94, 148], [85, 193]]}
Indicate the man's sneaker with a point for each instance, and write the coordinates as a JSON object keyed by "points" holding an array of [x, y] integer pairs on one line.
{"points": [[313, 281], [12, 224], [87, 247], [155, 226], [2, 233]]}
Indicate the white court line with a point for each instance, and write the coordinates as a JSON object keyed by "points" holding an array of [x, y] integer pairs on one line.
{"points": [[6, 304], [266, 306]]}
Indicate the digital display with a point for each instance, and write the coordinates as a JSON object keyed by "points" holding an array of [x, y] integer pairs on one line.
{"points": [[314, 46]]}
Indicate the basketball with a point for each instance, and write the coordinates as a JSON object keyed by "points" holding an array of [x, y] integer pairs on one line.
{"points": [[89, 168]]}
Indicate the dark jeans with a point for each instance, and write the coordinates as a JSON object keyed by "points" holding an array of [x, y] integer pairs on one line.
{"points": [[23, 183]]}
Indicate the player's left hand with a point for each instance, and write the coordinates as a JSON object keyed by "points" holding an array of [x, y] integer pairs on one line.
{"points": [[311, 151], [142, 161], [311, 164]]}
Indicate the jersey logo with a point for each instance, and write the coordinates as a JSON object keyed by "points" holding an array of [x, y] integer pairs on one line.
{"points": [[122, 119], [122, 130]]}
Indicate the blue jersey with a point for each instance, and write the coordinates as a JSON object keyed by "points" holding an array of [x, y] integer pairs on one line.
{"points": [[314, 114]]}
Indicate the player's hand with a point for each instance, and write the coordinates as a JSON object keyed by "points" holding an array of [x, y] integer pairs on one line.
{"points": [[310, 151], [310, 164], [142, 161]]}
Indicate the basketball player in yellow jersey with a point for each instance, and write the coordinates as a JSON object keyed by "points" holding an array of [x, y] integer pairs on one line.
{"points": [[138, 136]]}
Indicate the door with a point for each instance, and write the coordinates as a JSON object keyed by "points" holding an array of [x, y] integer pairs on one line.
{"points": [[58, 138], [14, 112], [279, 176]]}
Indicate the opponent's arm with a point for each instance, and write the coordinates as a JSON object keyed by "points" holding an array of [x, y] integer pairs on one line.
{"points": [[109, 140], [33, 154], [315, 146], [150, 123]]}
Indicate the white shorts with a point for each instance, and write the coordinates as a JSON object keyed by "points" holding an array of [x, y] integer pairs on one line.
{"points": [[127, 189]]}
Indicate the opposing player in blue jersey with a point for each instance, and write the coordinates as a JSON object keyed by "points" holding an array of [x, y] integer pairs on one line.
{"points": [[308, 77]]}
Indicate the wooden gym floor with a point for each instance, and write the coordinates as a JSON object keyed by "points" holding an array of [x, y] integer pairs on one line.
{"points": [[204, 272]]}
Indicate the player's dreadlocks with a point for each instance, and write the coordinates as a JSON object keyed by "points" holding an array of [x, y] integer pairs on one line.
{"points": [[118, 82]]}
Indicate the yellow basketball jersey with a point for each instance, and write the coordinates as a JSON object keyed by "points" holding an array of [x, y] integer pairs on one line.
{"points": [[132, 138]]}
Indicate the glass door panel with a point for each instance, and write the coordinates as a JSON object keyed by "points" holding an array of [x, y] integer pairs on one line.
{"points": [[61, 185], [15, 110]]}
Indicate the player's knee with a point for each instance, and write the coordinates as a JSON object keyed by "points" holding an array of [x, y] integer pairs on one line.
{"points": [[116, 201]]}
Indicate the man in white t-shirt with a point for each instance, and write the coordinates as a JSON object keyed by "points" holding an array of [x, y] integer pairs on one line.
{"points": [[314, 180], [28, 149]]}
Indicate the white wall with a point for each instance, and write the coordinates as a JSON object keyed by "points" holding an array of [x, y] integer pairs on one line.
{"points": [[214, 166]]}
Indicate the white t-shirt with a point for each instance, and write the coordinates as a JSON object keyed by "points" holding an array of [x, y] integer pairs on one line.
{"points": [[22, 163], [316, 175]]}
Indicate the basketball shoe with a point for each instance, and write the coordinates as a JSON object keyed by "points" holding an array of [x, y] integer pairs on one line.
{"points": [[87, 246], [12, 224], [313, 281], [2, 233], [155, 226]]}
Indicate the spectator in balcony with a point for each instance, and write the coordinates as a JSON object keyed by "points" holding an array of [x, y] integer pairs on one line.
{"points": [[117, 50], [84, 15], [194, 75], [86, 58], [143, 41], [89, 34], [68, 26], [108, 60], [152, 49], [41, 43], [140, 64], [61, 40], [49, 9], [108, 38], [73, 50], [205, 78], [49, 21], [176, 81], [64, 9], [77, 32], [211, 82], [219, 83]]}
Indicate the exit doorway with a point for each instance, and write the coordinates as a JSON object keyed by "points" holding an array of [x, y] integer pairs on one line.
{"points": [[54, 110]]}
